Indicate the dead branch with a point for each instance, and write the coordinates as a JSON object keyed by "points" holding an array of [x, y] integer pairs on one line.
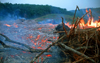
{"points": [[90, 16], [75, 14], [63, 25], [84, 47], [78, 60], [82, 18], [7, 46], [59, 32], [73, 50]]}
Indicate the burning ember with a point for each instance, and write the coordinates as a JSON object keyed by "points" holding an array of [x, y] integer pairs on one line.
{"points": [[7, 25], [15, 25]]}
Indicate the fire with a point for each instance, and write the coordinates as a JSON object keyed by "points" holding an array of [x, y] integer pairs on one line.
{"points": [[91, 23], [7, 25], [88, 25], [82, 24]]}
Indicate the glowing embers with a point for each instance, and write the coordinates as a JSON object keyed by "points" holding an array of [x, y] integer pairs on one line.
{"points": [[7, 25], [37, 37], [49, 55], [42, 58], [41, 42], [40, 28], [15, 25], [30, 36]]}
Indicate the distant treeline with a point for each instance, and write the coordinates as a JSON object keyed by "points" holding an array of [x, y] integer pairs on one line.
{"points": [[29, 10]]}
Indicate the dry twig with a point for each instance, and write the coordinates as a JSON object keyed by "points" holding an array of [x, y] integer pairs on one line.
{"points": [[63, 25], [75, 14]]}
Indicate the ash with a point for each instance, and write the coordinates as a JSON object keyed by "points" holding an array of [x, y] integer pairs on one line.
{"points": [[32, 34]]}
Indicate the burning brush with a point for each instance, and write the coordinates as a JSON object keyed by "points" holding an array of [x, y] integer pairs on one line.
{"points": [[81, 43]]}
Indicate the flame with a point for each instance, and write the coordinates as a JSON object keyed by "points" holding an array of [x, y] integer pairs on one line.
{"points": [[91, 23], [87, 11], [7, 25]]}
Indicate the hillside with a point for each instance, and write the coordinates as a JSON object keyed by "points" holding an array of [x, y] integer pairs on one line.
{"points": [[54, 18], [9, 11]]}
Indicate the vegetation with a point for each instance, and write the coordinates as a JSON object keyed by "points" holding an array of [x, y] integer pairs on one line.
{"points": [[29, 10], [56, 17]]}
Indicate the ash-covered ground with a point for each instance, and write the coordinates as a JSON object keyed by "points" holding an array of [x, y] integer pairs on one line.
{"points": [[32, 34]]}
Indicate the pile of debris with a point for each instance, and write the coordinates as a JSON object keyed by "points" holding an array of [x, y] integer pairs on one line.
{"points": [[80, 44]]}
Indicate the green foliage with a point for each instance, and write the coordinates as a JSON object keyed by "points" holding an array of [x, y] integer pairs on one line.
{"points": [[56, 17], [30, 10]]}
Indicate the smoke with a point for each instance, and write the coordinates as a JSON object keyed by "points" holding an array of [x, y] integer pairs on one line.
{"points": [[6, 16]]}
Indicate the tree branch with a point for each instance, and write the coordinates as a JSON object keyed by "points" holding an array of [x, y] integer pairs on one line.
{"points": [[73, 50], [7, 46]]}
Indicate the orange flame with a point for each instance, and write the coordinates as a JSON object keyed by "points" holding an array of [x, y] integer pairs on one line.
{"points": [[82, 24], [7, 25], [90, 23]]}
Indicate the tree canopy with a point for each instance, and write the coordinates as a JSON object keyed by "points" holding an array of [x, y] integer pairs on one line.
{"points": [[29, 10]]}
